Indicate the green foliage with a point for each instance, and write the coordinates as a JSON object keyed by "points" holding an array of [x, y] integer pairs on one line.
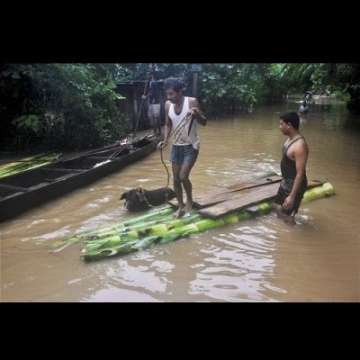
{"points": [[77, 105], [140, 71], [230, 87], [69, 105], [340, 79], [29, 123]]}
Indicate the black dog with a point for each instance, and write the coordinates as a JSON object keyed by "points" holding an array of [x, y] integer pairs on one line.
{"points": [[140, 199]]}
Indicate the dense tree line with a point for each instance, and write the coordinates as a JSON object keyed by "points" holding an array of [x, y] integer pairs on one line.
{"points": [[77, 105]]}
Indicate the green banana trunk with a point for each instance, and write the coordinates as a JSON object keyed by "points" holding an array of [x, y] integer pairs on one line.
{"points": [[147, 230], [27, 164]]}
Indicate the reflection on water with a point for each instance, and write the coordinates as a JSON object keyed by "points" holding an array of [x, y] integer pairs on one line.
{"points": [[257, 260], [244, 254]]}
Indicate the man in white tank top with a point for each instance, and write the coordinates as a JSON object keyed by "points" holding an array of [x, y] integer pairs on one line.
{"points": [[182, 114]]}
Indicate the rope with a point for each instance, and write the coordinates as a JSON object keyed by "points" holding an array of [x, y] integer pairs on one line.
{"points": [[167, 181], [166, 168], [177, 130], [174, 133]]}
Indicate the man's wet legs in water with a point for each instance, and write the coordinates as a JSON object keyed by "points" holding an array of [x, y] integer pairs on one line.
{"points": [[183, 159]]}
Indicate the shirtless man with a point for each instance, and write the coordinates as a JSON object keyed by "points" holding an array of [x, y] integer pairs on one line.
{"points": [[295, 153]]}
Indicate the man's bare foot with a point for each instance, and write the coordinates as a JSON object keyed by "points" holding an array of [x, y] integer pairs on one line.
{"points": [[188, 207], [179, 213]]}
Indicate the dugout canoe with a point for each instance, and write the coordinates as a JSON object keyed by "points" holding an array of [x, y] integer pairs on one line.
{"points": [[26, 190]]}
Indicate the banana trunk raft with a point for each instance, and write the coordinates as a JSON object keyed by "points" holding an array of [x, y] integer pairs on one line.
{"points": [[159, 227]]}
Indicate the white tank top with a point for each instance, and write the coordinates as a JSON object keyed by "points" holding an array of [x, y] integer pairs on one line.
{"points": [[181, 134]]}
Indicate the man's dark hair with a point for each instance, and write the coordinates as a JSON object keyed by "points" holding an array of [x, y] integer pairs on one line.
{"points": [[291, 118], [175, 84]]}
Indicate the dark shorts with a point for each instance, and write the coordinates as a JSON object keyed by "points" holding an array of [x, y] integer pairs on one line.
{"points": [[284, 192], [183, 153]]}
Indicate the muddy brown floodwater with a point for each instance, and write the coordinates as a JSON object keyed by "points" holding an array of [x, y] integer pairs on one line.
{"points": [[257, 260]]}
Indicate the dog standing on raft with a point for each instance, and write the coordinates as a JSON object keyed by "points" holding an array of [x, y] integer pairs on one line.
{"points": [[182, 114], [140, 199]]}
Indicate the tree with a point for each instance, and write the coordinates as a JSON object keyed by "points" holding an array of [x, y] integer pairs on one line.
{"points": [[340, 78], [67, 105]]}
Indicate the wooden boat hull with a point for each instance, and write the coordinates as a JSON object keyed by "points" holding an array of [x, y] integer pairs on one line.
{"points": [[20, 193]]}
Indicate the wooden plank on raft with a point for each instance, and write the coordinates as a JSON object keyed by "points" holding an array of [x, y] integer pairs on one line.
{"points": [[224, 194], [253, 183], [228, 193], [246, 198], [242, 199]]}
